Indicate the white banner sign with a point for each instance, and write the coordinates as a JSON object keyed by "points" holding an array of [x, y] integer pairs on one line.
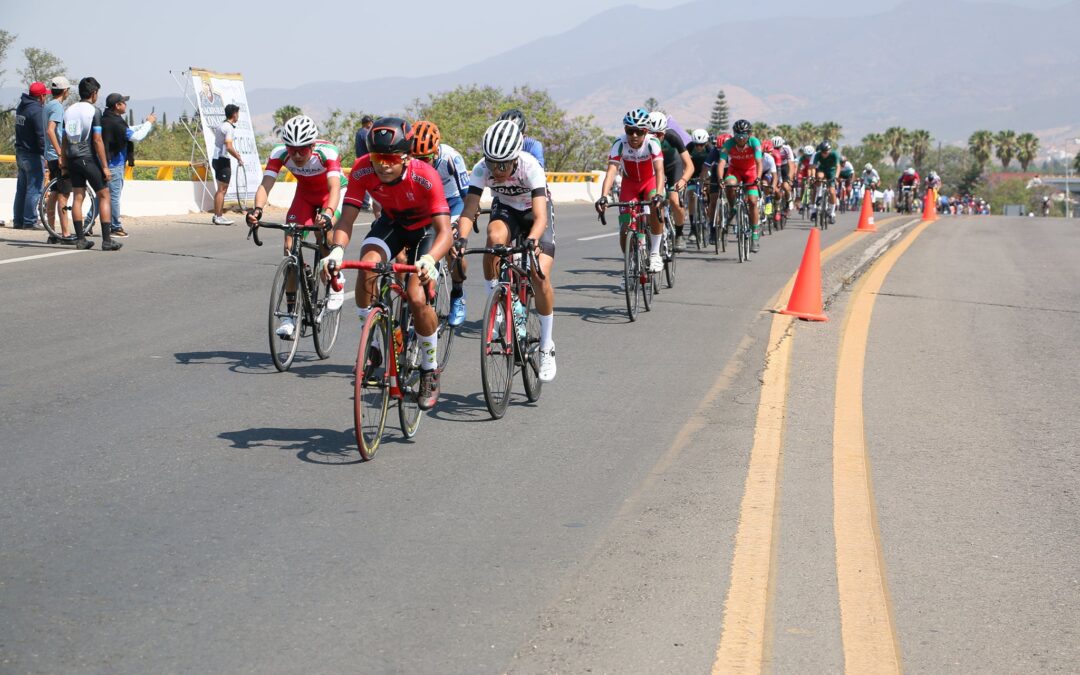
{"points": [[215, 91]]}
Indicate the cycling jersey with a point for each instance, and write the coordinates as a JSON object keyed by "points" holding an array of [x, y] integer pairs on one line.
{"points": [[410, 202], [699, 152], [847, 170], [636, 164], [672, 147], [312, 177], [786, 154], [827, 163], [743, 158], [82, 121], [768, 164], [905, 179], [870, 177], [804, 167], [455, 177], [526, 181], [534, 148]]}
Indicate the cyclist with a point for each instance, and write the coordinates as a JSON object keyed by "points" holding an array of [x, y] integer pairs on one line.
{"points": [[415, 218], [933, 182], [805, 171], [786, 162], [847, 175], [714, 177], [743, 151], [770, 179], [427, 146], [910, 180], [698, 148], [826, 163], [519, 209], [678, 169], [638, 157], [316, 165], [870, 177], [531, 145]]}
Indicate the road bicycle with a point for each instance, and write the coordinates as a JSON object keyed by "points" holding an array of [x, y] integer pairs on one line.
{"points": [[51, 222], [718, 226], [821, 204], [699, 225], [907, 193], [510, 337], [667, 245], [307, 309], [743, 229], [639, 282], [387, 358]]}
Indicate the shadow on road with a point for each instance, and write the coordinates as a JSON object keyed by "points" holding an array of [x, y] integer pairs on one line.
{"points": [[259, 363], [458, 408], [609, 314], [315, 446]]}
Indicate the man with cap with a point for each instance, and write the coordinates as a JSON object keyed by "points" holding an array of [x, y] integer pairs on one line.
{"points": [[29, 156], [120, 141], [56, 201]]}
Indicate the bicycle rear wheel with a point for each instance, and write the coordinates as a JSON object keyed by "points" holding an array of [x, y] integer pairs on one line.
{"points": [[89, 211], [667, 251], [324, 328], [371, 388], [648, 279], [631, 275], [442, 310], [408, 379], [528, 349], [497, 353], [283, 350]]}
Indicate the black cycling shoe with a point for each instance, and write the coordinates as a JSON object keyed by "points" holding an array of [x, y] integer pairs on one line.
{"points": [[111, 245], [429, 389], [83, 244]]}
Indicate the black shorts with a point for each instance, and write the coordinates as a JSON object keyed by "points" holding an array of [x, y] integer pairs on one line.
{"points": [[393, 239], [521, 222], [85, 171], [785, 172], [63, 186], [222, 169]]}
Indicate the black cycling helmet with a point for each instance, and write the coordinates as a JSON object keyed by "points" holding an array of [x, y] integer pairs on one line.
{"points": [[516, 116], [742, 127], [824, 146], [390, 135]]}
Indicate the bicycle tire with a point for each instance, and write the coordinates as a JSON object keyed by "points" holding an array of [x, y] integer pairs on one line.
{"points": [[325, 323], [669, 254], [719, 240], [528, 349], [408, 377], [648, 280], [442, 311], [90, 213], [283, 351], [740, 232], [496, 354], [631, 275], [371, 384]]}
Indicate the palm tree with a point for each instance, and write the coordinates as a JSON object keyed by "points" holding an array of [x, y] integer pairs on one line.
{"points": [[788, 133], [762, 130], [981, 144], [1006, 147], [919, 144], [1027, 146], [806, 133], [1076, 163], [831, 131], [873, 147], [896, 143]]}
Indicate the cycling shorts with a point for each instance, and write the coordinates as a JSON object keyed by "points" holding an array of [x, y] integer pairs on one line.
{"points": [[304, 207], [85, 171], [222, 169], [630, 190], [747, 175], [785, 172], [393, 239], [520, 223]]}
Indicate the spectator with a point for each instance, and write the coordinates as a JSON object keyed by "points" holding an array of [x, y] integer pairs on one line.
{"points": [[57, 200], [83, 156], [223, 147], [361, 149], [890, 195], [120, 142], [29, 156]]}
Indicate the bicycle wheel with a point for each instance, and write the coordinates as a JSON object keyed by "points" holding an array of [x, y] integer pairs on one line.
{"points": [[89, 212], [408, 377], [325, 325], [648, 279], [496, 353], [283, 350], [631, 275], [667, 251], [528, 349], [371, 387], [442, 310], [719, 243]]}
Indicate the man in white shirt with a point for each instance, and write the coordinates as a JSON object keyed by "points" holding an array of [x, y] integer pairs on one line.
{"points": [[223, 148]]}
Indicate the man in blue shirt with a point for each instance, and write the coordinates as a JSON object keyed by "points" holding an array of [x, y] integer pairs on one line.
{"points": [[29, 156], [119, 141], [57, 200]]}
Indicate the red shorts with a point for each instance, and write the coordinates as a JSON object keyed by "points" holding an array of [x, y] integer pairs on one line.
{"points": [[744, 175], [642, 191], [304, 208]]}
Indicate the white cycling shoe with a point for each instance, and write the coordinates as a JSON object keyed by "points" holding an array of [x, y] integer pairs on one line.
{"points": [[286, 328], [656, 263], [335, 299], [547, 365]]}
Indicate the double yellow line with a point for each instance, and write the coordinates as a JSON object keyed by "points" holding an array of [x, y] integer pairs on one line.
{"points": [[867, 628]]}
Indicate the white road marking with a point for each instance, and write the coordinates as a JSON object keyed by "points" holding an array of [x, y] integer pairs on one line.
{"points": [[598, 236], [37, 257]]}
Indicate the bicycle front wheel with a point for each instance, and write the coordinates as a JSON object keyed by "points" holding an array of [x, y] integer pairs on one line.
{"points": [[648, 279], [631, 275], [442, 310], [52, 224], [528, 349], [497, 353], [371, 388], [409, 412], [324, 327], [669, 254], [283, 349]]}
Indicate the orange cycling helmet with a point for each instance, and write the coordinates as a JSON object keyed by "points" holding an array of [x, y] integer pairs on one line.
{"points": [[425, 138]]}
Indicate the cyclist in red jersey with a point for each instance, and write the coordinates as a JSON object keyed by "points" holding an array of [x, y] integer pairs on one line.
{"points": [[743, 151], [317, 169], [415, 217]]}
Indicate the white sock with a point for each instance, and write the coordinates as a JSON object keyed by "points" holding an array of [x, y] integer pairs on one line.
{"points": [[428, 346], [362, 312], [492, 284], [654, 245], [546, 324]]}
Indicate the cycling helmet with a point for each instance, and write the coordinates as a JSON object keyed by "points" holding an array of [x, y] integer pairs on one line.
{"points": [[778, 141], [910, 171], [515, 116], [741, 127], [868, 167], [657, 122], [390, 135], [824, 146], [425, 139], [638, 117], [722, 138], [502, 141], [299, 131], [933, 174], [700, 136], [766, 145], [808, 150]]}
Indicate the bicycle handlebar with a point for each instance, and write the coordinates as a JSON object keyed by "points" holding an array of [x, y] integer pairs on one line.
{"points": [[503, 251], [253, 230], [618, 205]]}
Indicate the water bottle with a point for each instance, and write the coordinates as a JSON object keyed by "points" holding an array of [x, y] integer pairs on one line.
{"points": [[519, 318]]}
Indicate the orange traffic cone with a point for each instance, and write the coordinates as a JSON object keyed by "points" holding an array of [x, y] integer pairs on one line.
{"points": [[805, 301], [929, 212], [866, 217]]}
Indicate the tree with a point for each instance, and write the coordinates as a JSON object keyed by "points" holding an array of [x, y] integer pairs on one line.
{"points": [[896, 143], [1006, 147], [718, 121], [919, 143], [1027, 146], [284, 113], [6, 39], [651, 104], [1076, 163], [832, 131], [787, 132], [807, 133], [981, 144], [762, 130], [41, 65]]}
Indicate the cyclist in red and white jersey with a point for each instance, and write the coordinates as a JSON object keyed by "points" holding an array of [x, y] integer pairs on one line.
{"points": [[742, 152], [785, 161], [638, 157], [316, 165]]}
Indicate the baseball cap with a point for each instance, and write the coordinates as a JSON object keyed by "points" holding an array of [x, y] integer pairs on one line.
{"points": [[59, 82], [365, 119], [112, 99], [38, 89]]}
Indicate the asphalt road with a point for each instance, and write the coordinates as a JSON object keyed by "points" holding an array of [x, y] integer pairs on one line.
{"points": [[169, 502]]}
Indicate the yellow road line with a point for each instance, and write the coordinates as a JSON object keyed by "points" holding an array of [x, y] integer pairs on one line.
{"points": [[867, 628]]}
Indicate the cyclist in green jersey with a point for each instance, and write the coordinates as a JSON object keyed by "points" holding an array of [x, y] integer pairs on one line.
{"points": [[826, 163]]}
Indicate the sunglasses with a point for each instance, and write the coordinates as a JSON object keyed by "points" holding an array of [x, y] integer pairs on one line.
{"points": [[430, 159], [500, 167], [390, 158], [298, 149], [741, 137], [634, 131]]}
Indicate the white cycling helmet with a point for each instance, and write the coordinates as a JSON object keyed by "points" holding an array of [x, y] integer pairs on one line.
{"points": [[868, 167], [910, 171], [778, 141], [299, 131], [657, 122], [808, 150], [700, 136], [502, 141]]}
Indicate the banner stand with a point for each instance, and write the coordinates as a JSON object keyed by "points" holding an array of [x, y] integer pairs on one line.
{"points": [[200, 159]]}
